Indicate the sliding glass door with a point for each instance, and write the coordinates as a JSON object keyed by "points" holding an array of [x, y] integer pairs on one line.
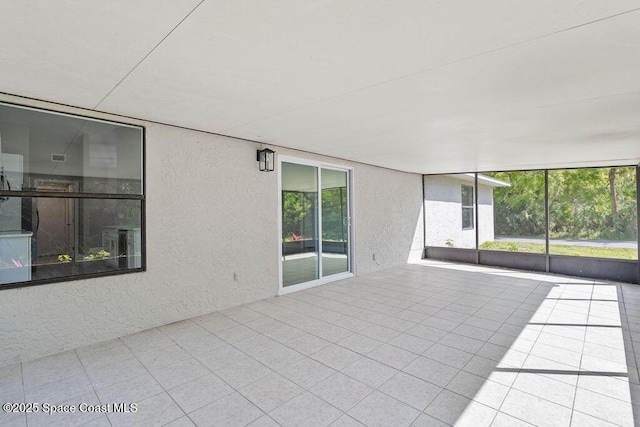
{"points": [[335, 222], [316, 227]]}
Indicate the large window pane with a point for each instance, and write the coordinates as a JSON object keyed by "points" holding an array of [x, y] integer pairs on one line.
{"points": [[300, 246], [335, 225], [51, 238], [450, 211], [511, 211], [593, 212], [88, 232], [39, 147]]}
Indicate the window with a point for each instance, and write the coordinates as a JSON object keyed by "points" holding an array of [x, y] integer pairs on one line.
{"points": [[593, 212], [511, 212], [71, 197], [467, 207]]}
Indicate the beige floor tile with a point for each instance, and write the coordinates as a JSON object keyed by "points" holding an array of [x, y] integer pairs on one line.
{"points": [[105, 375], [378, 409], [221, 357], [426, 332], [158, 359], [411, 343], [578, 419], [410, 390], [199, 345], [341, 391], [447, 407], [359, 343], [179, 373], [256, 344], [545, 388], [279, 357], [243, 373], [307, 372], [425, 420], [307, 344], [392, 356], [450, 356], [535, 410], [604, 407], [231, 410], [346, 421], [460, 342], [336, 357], [305, 409], [184, 421], [504, 420], [13, 419], [369, 372], [476, 415], [270, 392], [195, 394], [263, 421], [432, 371], [333, 333], [480, 389], [134, 389]]}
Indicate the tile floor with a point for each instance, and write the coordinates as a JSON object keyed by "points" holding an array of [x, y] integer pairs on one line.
{"points": [[424, 344]]}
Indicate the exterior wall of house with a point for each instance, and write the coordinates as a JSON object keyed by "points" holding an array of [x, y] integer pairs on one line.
{"points": [[443, 210], [212, 243]]}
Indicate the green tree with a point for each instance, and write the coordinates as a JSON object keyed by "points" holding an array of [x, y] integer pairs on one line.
{"points": [[596, 203], [519, 209]]}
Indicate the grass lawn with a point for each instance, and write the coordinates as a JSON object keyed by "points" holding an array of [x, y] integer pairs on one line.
{"points": [[576, 250]]}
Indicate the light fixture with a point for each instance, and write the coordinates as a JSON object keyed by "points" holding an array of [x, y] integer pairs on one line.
{"points": [[265, 159]]}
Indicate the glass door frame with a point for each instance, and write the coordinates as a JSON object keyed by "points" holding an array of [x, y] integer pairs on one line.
{"points": [[319, 165]]}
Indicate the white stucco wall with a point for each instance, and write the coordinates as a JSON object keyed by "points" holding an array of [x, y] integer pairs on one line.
{"points": [[443, 209], [210, 214]]}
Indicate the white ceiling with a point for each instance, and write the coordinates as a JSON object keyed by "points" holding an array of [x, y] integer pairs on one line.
{"points": [[425, 86]]}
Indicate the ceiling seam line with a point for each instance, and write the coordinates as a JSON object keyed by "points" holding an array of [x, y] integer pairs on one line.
{"points": [[572, 101], [434, 68], [147, 55]]}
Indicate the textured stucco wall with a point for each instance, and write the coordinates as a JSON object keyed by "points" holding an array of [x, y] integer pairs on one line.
{"points": [[389, 218], [210, 214], [443, 208]]}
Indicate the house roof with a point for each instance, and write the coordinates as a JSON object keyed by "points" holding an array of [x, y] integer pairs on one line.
{"points": [[420, 86], [482, 179]]}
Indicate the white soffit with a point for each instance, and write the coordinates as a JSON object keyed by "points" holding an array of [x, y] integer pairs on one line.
{"points": [[76, 52], [421, 86]]}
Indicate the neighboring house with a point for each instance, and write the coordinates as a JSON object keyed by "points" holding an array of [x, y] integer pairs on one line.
{"points": [[450, 213]]}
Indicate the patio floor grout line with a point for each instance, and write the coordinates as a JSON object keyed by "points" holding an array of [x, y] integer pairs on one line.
{"points": [[520, 302]]}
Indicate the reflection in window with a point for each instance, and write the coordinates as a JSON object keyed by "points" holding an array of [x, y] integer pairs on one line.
{"points": [[63, 237], [300, 246], [335, 226], [97, 229], [467, 207], [92, 155]]}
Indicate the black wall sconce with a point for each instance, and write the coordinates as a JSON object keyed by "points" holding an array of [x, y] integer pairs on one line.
{"points": [[265, 160]]}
